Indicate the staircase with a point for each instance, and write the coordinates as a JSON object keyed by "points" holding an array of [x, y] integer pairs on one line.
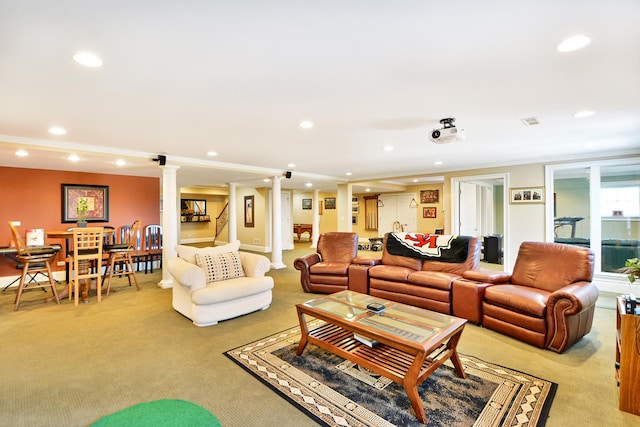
{"points": [[221, 221]]}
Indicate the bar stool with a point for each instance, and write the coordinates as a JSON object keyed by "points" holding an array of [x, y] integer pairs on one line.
{"points": [[33, 260], [120, 254], [87, 253]]}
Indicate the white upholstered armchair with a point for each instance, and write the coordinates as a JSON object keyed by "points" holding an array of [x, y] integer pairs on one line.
{"points": [[218, 283]]}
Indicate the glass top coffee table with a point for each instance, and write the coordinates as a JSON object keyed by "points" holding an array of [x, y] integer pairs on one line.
{"points": [[403, 343]]}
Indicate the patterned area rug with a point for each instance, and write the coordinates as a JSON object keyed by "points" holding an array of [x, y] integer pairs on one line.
{"points": [[336, 392]]}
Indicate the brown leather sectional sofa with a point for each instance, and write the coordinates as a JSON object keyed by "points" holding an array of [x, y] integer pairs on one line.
{"points": [[422, 283], [548, 301]]}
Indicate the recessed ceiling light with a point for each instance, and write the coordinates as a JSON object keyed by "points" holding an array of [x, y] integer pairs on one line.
{"points": [[415, 180], [308, 184], [437, 163], [582, 114], [367, 189], [57, 130], [212, 153], [22, 153], [573, 43], [73, 158], [306, 124], [388, 148], [348, 173], [266, 180], [87, 59], [120, 162], [291, 165]]}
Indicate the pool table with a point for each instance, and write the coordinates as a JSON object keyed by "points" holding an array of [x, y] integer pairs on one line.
{"points": [[303, 228]]}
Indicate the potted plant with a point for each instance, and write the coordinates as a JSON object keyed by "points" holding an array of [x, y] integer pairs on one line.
{"points": [[632, 269], [82, 210]]}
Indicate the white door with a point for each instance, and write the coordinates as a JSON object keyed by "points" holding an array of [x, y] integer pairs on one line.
{"points": [[468, 210], [399, 208]]}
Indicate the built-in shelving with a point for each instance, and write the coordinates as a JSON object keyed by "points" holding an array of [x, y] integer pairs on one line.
{"points": [[628, 359]]}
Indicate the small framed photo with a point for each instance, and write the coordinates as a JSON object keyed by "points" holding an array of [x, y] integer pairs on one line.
{"points": [[355, 209], [429, 196], [306, 204], [429, 212], [526, 195], [354, 219], [354, 199], [329, 202]]}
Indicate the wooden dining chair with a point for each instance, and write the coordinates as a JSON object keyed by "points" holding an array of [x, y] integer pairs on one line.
{"points": [[152, 245], [33, 260], [138, 254], [120, 261], [87, 254]]}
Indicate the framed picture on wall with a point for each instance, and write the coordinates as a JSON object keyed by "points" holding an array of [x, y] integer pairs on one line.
{"points": [[97, 197], [428, 212], [329, 202], [248, 211], [429, 196], [354, 219], [306, 203], [526, 195]]}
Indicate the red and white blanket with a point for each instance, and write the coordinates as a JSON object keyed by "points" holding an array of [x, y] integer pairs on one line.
{"points": [[436, 247]]}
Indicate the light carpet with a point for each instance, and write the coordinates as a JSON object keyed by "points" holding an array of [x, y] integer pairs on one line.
{"points": [[336, 392]]}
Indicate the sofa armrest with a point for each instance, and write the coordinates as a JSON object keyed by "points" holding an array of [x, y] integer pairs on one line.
{"points": [[487, 276], [254, 265], [366, 261], [579, 296], [570, 314], [304, 264], [187, 274]]}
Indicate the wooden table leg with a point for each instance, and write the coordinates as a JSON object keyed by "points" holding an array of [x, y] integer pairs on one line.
{"points": [[411, 387], [452, 345], [304, 332]]}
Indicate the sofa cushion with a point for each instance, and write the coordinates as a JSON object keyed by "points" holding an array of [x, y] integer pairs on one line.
{"points": [[524, 299], [390, 272], [188, 253], [432, 279], [220, 266], [333, 268]]}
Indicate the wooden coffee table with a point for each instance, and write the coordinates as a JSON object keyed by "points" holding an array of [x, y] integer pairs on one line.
{"points": [[410, 343]]}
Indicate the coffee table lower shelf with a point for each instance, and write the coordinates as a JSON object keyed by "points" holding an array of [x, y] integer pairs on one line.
{"points": [[404, 368]]}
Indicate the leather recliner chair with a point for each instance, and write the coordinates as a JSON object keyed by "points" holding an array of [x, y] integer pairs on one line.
{"points": [[549, 300], [327, 270]]}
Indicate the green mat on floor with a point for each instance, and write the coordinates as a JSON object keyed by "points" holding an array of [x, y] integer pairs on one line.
{"points": [[166, 412]]}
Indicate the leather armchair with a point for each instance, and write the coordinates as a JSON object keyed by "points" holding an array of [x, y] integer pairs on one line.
{"points": [[327, 270], [549, 300]]}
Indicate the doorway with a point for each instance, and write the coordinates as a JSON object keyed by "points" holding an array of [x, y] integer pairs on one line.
{"points": [[479, 209]]}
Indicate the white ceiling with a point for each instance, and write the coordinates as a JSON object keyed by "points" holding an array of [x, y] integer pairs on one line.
{"points": [[183, 78]]}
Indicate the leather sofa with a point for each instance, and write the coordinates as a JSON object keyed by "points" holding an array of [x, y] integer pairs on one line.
{"points": [[327, 270], [549, 299], [418, 282]]}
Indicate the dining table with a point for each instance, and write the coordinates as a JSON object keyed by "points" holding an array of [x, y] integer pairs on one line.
{"points": [[83, 266]]}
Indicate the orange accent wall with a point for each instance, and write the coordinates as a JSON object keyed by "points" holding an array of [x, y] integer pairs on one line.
{"points": [[34, 197]]}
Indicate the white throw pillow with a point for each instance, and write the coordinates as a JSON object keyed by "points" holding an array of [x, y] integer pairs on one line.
{"points": [[220, 266], [188, 253]]}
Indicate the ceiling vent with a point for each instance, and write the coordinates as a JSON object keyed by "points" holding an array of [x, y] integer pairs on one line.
{"points": [[531, 121]]}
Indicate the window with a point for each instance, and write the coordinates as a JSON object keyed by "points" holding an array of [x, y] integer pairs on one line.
{"points": [[620, 201]]}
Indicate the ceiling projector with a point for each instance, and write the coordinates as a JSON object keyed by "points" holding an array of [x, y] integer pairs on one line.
{"points": [[447, 133]]}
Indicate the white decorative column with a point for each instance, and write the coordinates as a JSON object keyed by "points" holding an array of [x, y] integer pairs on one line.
{"points": [[315, 226], [233, 217], [276, 237], [169, 221]]}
